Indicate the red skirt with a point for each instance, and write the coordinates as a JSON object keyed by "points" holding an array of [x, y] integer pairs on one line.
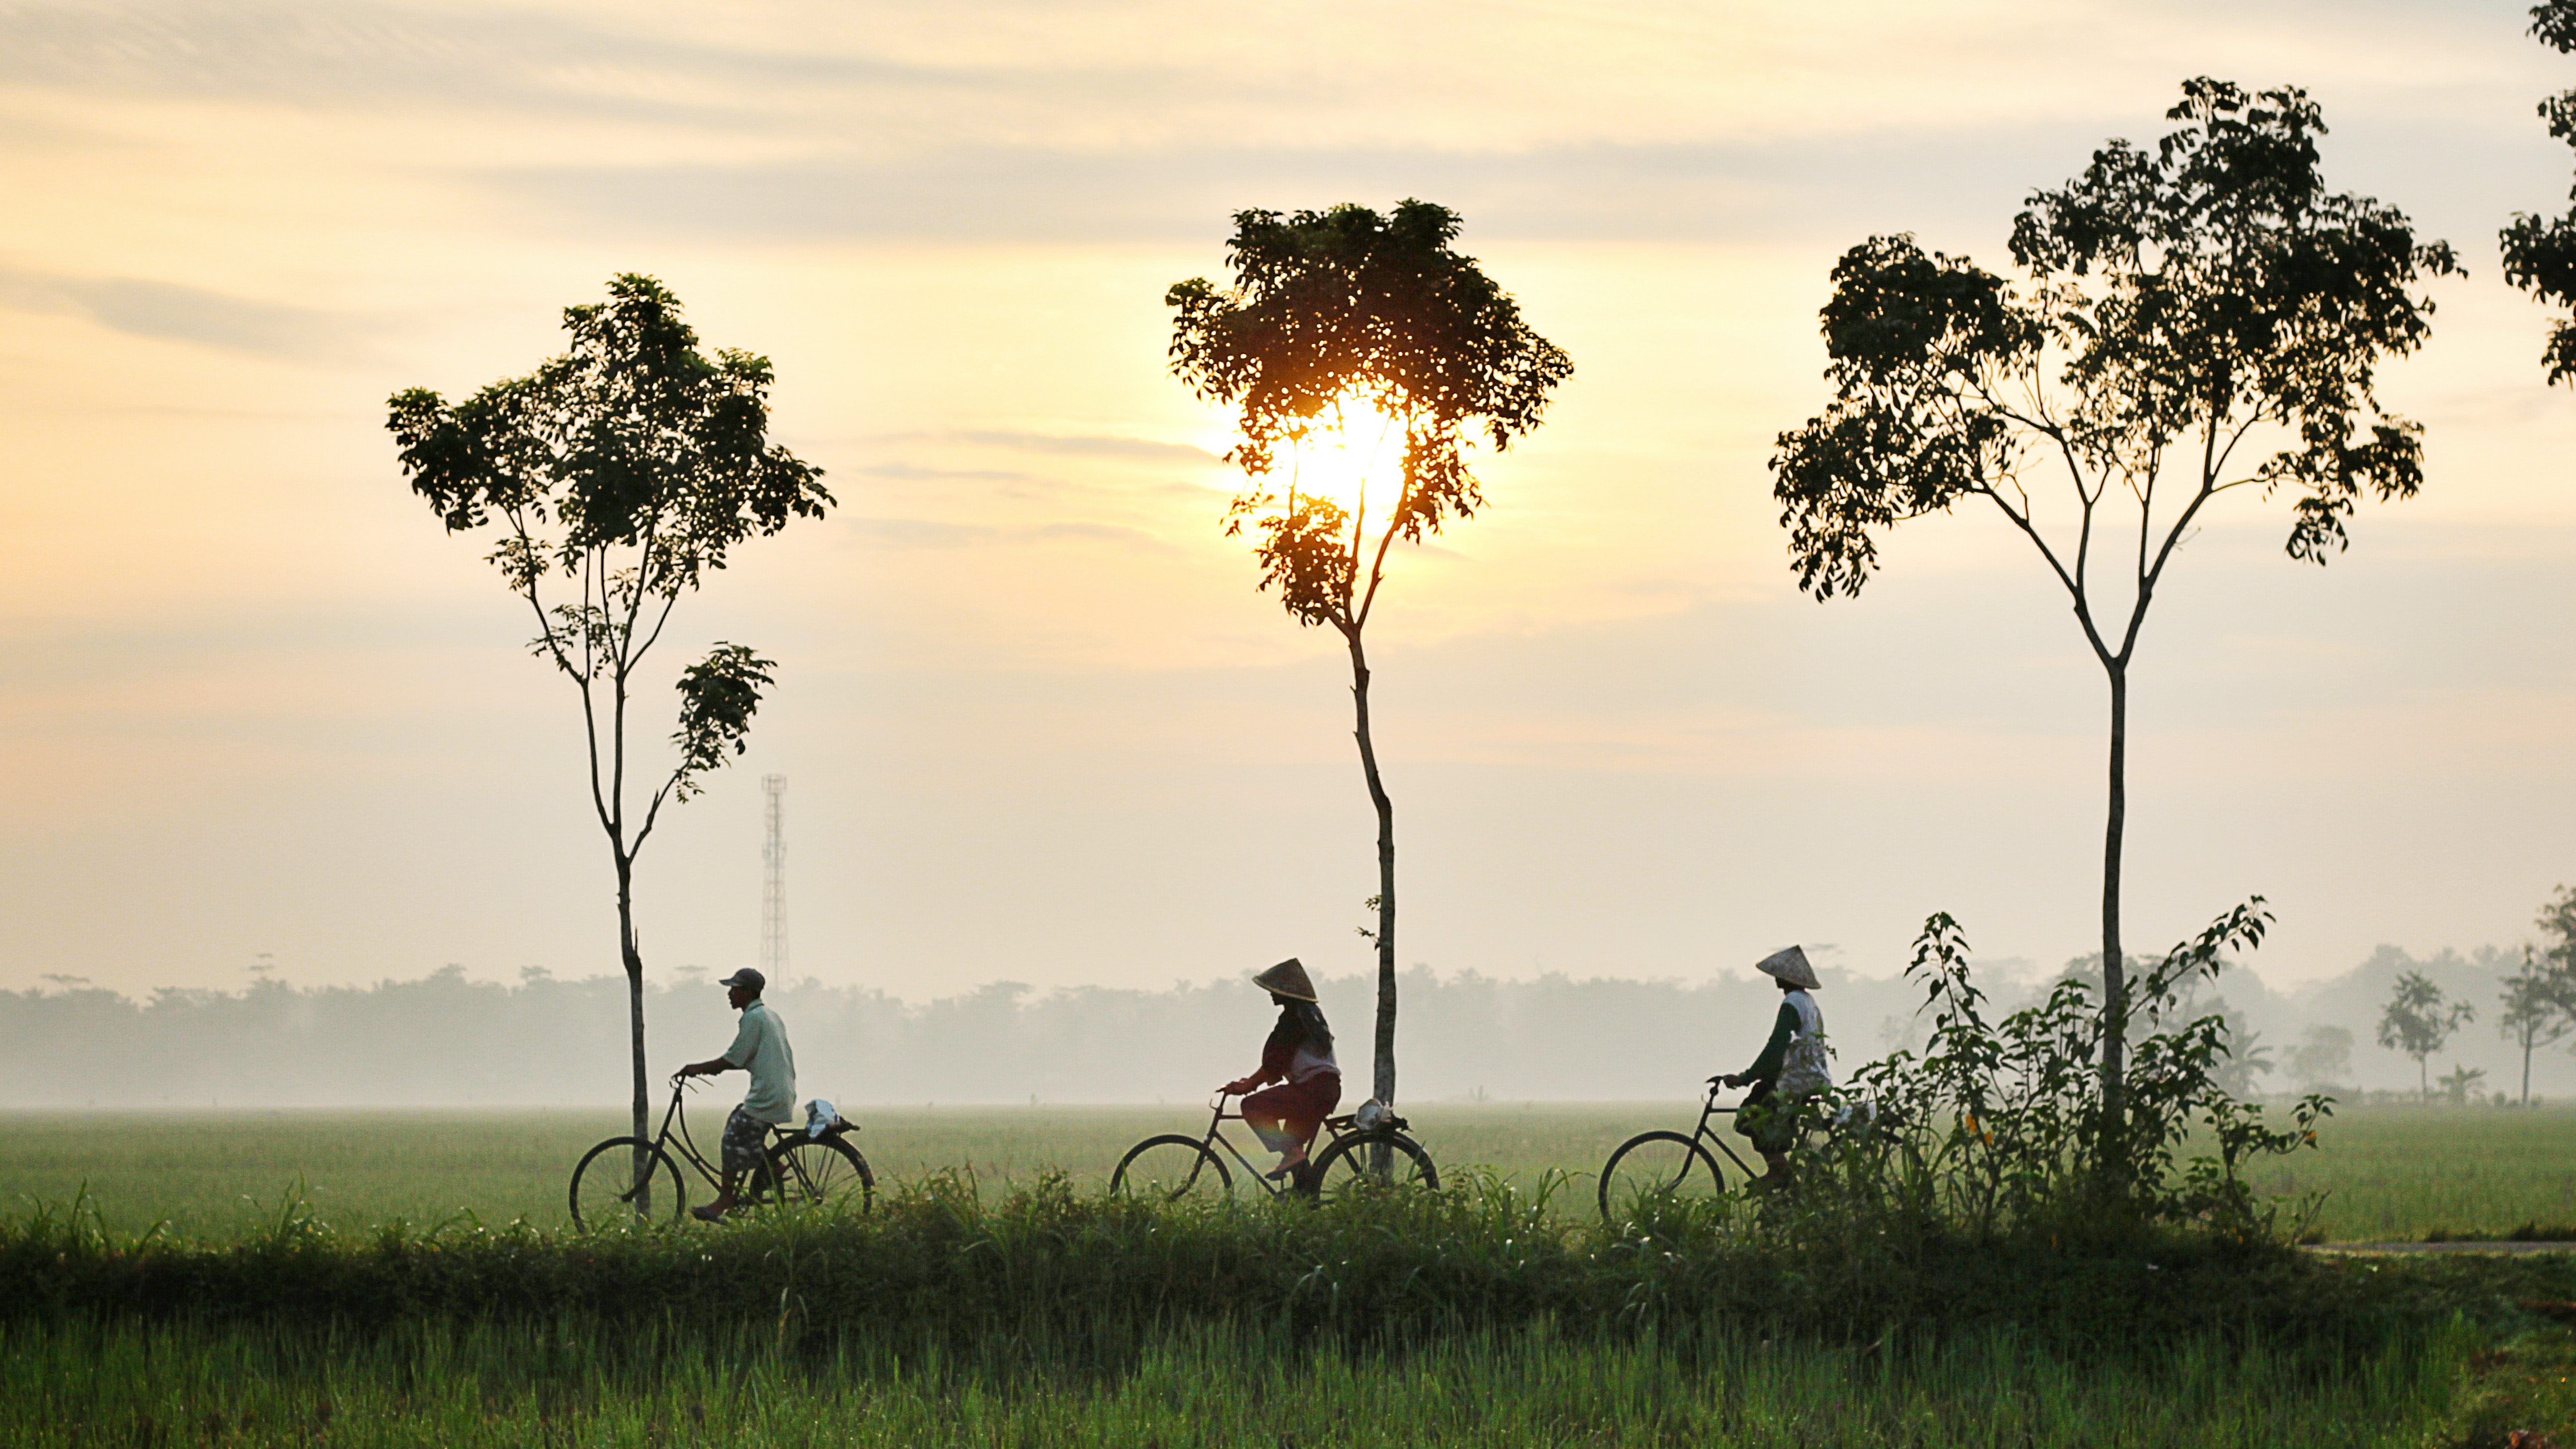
{"points": [[1290, 1116]]}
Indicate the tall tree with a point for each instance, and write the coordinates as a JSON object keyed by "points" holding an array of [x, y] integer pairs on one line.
{"points": [[2540, 254], [2199, 318], [620, 474], [2539, 1010], [2418, 1019], [1332, 317]]}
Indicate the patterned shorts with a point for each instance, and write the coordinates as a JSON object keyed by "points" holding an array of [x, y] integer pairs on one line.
{"points": [[745, 1139]]}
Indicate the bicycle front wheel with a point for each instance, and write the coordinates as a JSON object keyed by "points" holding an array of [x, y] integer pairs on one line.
{"points": [[1653, 1168], [1350, 1165], [1171, 1168], [625, 1180], [813, 1172]]}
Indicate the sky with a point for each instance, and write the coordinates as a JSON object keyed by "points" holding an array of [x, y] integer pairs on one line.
{"points": [[261, 713]]}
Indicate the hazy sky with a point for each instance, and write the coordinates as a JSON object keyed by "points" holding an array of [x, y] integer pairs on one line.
{"points": [[1037, 722]]}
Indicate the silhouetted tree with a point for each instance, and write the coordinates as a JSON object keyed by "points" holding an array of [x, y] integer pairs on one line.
{"points": [[2322, 1057], [2418, 1019], [2540, 255], [2539, 1010], [1331, 312], [2183, 303], [620, 473]]}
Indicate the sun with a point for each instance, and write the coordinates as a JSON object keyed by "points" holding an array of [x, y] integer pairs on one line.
{"points": [[1353, 454]]}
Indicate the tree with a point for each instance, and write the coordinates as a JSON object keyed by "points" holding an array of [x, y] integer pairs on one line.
{"points": [[2540, 255], [2540, 999], [620, 474], [1335, 318], [2184, 304], [2558, 922], [2323, 1056], [2418, 1019]]}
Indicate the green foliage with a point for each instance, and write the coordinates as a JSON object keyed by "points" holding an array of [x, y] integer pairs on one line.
{"points": [[628, 468], [1346, 307], [2192, 292], [2540, 252], [2001, 1126]]}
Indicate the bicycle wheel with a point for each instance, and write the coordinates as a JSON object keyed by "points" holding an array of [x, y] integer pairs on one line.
{"points": [[1350, 1165], [1172, 1168], [608, 1188], [812, 1172], [1659, 1167]]}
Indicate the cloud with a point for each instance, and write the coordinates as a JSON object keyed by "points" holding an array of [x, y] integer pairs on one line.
{"points": [[139, 307], [930, 533], [1092, 447]]}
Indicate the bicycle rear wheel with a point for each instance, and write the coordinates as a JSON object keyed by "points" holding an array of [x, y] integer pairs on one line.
{"points": [[1349, 1165], [812, 1172], [613, 1186], [1171, 1168], [1655, 1168]]}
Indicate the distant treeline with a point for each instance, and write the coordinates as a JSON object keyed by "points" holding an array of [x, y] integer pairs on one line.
{"points": [[447, 1040]]}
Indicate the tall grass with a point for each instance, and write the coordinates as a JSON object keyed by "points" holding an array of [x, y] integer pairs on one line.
{"points": [[1233, 1382]]}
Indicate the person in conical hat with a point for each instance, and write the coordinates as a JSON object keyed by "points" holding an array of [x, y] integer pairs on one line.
{"points": [[1792, 1065], [1298, 1056]]}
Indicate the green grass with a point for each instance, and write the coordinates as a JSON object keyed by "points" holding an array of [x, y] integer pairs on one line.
{"points": [[2389, 1173], [473, 1384]]}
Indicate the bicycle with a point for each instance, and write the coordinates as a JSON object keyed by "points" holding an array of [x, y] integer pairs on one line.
{"points": [[1661, 1164], [1177, 1168], [635, 1178]]}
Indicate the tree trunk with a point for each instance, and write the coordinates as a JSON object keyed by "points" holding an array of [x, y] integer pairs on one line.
{"points": [[2526, 1071], [2115, 985], [632, 956], [1383, 1078]]}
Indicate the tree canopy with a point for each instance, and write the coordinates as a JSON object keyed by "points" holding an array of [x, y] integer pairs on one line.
{"points": [[2540, 253], [1331, 309]]}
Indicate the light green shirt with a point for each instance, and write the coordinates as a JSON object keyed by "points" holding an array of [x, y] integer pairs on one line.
{"points": [[761, 1048]]}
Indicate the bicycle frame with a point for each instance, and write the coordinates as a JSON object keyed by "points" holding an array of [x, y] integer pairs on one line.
{"points": [[1708, 1136], [1334, 1130], [688, 1147]]}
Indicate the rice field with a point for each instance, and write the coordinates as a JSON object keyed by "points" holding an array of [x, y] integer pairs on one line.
{"points": [[2387, 1173]]}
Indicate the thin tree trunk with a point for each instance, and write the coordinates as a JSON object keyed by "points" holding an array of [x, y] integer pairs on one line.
{"points": [[632, 956], [2115, 985], [2526, 1071], [1383, 1080]]}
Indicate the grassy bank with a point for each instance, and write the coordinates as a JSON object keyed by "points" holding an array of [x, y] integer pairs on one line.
{"points": [[2387, 1172], [461, 1385]]}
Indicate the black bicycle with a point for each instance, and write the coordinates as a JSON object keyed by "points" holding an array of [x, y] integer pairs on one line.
{"points": [[1175, 1168], [1672, 1165], [635, 1179]]}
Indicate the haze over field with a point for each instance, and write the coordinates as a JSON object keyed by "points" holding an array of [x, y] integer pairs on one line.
{"points": [[1037, 723]]}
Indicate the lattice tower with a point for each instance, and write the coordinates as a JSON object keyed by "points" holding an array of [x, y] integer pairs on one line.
{"points": [[773, 881]]}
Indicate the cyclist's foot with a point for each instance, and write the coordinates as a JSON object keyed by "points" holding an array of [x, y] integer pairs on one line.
{"points": [[1287, 1169], [707, 1213]]}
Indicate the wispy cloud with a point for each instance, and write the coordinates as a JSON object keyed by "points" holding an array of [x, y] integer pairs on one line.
{"points": [[140, 307]]}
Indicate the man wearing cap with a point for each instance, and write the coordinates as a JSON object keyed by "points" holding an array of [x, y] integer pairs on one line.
{"points": [[1791, 1068], [1299, 1054], [760, 1048]]}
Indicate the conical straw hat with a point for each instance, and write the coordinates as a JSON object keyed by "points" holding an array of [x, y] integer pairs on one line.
{"points": [[1790, 965], [1288, 978]]}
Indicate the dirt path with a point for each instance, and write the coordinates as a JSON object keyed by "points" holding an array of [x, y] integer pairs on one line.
{"points": [[2378, 1250]]}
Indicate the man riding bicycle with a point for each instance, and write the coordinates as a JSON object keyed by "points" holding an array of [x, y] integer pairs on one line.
{"points": [[759, 1047], [1791, 1068]]}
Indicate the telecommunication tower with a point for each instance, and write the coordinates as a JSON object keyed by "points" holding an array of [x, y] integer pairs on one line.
{"points": [[773, 882]]}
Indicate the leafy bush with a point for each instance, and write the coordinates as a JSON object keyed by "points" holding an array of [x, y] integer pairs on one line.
{"points": [[2002, 1127]]}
